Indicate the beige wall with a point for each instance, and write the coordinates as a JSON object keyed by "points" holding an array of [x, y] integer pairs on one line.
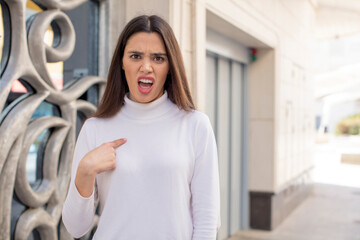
{"points": [[281, 119], [280, 111]]}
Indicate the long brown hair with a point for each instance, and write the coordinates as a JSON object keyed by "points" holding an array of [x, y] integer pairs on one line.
{"points": [[176, 83]]}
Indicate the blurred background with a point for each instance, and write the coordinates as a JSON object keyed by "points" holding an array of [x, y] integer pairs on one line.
{"points": [[279, 80]]}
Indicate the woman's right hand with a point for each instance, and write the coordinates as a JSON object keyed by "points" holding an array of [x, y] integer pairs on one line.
{"points": [[102, 158]]}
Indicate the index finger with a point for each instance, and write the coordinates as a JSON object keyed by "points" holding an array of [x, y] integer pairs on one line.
{"points": [[118, 142]]}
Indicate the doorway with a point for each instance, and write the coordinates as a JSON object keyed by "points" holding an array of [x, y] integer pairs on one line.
{"points": [[225, 81]]}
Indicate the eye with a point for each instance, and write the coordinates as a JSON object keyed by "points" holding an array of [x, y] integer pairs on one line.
{"points": [[135, 56], [159, 59]]}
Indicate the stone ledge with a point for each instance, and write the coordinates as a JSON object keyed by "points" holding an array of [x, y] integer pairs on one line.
{"points": [[269, 209]]}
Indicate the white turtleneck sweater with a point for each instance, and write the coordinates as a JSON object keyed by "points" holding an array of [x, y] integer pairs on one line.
{"points": [[165, 185]]}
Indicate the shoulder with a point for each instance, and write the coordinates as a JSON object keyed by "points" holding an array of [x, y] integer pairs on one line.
{"points": [[200, 121], [90, 122], [198, 117], [95, 121], [203, 133]]}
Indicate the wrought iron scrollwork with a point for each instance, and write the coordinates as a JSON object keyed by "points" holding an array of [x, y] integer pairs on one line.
{"points": [[19, 128]]}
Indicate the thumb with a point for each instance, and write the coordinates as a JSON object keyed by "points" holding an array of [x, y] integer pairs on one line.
{"points": [[118, 142]]}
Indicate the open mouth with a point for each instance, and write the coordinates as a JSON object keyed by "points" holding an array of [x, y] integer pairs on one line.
{"points": [[145, 85]]}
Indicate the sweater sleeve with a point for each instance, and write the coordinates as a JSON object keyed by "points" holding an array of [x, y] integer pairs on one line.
{"points": [[205, 184], [78, 212]]}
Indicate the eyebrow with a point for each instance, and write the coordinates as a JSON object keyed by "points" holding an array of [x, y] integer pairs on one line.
{"points": [[141, 53]]}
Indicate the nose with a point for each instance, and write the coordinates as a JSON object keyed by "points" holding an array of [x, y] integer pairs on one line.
{"points": [[146, 66]]}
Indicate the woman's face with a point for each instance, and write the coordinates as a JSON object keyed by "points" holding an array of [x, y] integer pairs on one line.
{"points": [[146, 66]]}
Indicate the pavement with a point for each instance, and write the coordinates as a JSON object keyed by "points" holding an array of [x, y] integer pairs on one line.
{"points": [[332, 211]]}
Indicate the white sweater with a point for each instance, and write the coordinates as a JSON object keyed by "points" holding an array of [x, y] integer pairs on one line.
{"points": [[165, 185]]}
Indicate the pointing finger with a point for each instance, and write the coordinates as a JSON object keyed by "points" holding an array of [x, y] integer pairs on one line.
{"points": [[118, 142]]}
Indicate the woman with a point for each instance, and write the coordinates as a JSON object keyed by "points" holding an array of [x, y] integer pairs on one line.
{"points": [[147, 154]]}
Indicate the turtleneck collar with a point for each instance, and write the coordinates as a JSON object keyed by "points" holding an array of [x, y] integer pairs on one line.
{"points": [[146, 111]]}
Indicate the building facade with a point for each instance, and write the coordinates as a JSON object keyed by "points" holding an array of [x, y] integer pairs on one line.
{"points": [[248, 66]]}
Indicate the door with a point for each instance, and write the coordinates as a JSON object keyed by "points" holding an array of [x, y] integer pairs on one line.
{"points": [[224, 98]]}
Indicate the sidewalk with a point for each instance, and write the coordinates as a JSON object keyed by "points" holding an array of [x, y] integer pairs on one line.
{"points": [[332, 211]]}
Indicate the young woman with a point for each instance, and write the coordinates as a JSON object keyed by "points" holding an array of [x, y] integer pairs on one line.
{"points": [[147, 155]]}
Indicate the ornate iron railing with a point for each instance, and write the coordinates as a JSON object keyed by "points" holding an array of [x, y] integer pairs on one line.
{"points": [[32, 210]]}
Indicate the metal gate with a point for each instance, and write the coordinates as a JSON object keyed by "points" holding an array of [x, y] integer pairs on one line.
{"points": [[45, 95]]}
